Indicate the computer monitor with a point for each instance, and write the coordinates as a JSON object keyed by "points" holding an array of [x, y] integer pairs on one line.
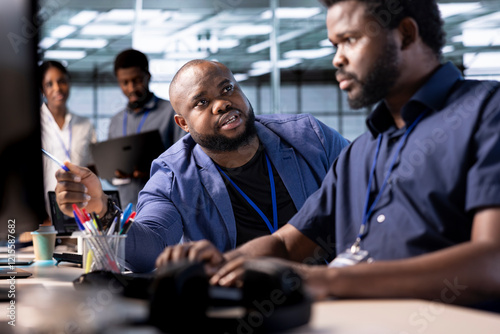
{"points": [[22, 206], [66, 225]]}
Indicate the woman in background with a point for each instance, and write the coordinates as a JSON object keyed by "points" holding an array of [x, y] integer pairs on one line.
{"points": [[65, 135]]}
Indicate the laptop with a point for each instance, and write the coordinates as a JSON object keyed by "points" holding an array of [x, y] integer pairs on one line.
{"points": [[126, 153], [65, 225]]}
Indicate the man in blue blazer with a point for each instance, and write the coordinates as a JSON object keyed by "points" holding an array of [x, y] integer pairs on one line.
{"points": [[234, 178]]}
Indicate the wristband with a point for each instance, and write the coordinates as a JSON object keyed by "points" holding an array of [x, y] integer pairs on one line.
{"points": [[111, 213]]}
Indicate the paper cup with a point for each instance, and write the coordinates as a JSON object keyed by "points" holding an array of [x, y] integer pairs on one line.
{"points": [[44, 241]]}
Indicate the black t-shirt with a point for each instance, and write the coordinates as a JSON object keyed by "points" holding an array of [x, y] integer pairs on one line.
{"points": [[253, 179]]}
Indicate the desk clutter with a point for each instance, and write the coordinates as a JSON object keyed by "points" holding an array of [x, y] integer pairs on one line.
{"points": [[180, 299], [104, 248], [176, 298]]}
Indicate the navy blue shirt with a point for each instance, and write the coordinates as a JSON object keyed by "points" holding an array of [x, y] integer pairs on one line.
{"points": [[448, 168]]}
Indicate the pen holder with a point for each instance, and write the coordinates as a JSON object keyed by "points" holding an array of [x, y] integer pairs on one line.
{"points": [[104, 252]]}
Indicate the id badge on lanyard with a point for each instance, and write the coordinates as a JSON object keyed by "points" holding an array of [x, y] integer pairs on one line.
{"points": [[355, 254], [350, 257]]}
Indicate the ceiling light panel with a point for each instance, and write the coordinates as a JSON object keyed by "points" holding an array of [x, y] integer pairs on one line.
{"points": [[282, 38], [83, 18], [47, 42], [248, 30], [186, 17], [60, 54], [481, 37], [83, 43], [128, 15], [485, 60], [187, 55], [106, 29], [484, 21], [62, 31], [160, 19], [150, 44], [239, 77], [292, 13], [451, 9], [284, 63], [325, 43], [258, 71], [309, 54], [448, 49], [117, 15]]}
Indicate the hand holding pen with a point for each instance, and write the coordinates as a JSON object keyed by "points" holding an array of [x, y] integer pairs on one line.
{"points": [[53, 158], [81, 187]]}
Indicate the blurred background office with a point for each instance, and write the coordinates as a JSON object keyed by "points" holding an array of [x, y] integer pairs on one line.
{"points": [[278, 50]]}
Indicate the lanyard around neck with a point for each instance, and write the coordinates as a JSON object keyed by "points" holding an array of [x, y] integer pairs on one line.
{"points": [[67, 151], [141, 123], [274, 226], [368, 209]]}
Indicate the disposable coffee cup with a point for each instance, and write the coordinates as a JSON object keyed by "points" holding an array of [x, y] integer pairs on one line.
{"points": [[44, 241]]}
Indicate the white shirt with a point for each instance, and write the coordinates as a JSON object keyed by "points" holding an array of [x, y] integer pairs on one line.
{"points": [[73, 140]]}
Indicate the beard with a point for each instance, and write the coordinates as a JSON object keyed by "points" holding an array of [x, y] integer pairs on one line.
{"points": [[381, 79], [221, 143], [142, 99]]}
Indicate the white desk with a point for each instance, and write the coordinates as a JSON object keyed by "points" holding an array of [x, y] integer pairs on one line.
{"points": [[48, 302], [58, 297], [397, 317]]}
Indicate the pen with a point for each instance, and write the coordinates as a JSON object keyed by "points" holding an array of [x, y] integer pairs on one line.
{"points": [[132, 215], [126, 213], [111, 229], [79, 214], [126, 227], [98, 222], [55, 159], [127, 224]]}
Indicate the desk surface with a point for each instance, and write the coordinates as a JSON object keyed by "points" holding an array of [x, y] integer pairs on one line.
{"points": [[398, 317], [338, 316]]}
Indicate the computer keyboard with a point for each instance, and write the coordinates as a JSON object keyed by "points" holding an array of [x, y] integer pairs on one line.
{"points": [[68, 257]]}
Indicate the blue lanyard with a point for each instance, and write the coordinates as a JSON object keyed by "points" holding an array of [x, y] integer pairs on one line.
{"points": [[368, 209], [143, 119], [273, 227], [67, 151]]}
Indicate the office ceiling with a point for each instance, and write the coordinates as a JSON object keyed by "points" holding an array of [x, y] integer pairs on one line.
{"points": [[87, 35]]}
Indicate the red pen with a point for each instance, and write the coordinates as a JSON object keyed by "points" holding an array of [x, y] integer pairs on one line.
{"points": [[79, 214], [132, 215]]}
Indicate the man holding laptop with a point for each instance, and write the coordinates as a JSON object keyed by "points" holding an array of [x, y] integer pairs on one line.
{"points": [[144, 112]]}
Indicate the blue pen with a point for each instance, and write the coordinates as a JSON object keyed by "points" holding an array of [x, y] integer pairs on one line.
{"points": [[55, 159], [126, 213], [80, 226]]}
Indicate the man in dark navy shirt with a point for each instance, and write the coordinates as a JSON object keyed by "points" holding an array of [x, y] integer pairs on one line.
{"points": [[414, 202]]}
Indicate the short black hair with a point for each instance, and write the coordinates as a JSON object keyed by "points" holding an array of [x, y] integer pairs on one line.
{"points": [[131, 58], [425, 12], [42, 69]]}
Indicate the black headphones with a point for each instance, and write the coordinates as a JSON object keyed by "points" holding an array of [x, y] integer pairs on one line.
{"points": [[272, 299], [181, 300]]}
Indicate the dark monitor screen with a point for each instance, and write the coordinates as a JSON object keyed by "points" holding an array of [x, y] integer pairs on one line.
{"points": [[66, 225], [21, 174]]}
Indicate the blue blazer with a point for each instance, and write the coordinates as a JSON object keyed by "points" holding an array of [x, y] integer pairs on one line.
{"points": [[186, 198]]}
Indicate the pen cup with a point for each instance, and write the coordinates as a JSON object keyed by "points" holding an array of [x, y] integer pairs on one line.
{"points": [[104, 252]]}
